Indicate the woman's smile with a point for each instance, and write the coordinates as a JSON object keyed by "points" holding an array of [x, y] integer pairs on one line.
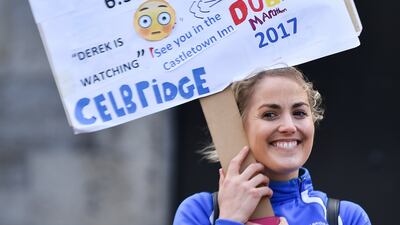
{"points": [[286, 144]]}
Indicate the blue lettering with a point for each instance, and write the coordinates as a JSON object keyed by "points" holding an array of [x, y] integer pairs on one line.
{"points": [[157, 92], [199, 82], [157, 51], [119, 111], [190, 88], [165, 66], [170, 91], [126, 93], [167, 91], [140, 89], [105, 116], [82, 103]]}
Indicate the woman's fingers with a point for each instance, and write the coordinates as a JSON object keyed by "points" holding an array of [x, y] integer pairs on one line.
{"points": [[251, 170], [236, 162], [283, 221], [221, 177], [240, 192], [258, 180], [265, 192]]}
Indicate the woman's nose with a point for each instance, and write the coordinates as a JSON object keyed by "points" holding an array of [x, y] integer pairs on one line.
{"points": [[287, 125]]}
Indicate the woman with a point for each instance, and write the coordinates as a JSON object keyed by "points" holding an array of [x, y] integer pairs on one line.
{"points": [[279, 111]]}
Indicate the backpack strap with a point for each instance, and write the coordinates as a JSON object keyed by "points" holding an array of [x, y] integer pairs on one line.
{"points": [[215, 206], [332, 211]]}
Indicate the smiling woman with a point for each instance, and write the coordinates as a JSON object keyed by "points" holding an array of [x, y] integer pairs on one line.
{"points": [[279, 110], [279, 126]]}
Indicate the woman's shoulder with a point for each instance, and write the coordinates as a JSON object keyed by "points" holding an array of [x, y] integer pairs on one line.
{"points": [[195, 209], [202, 199], [352, 213]]}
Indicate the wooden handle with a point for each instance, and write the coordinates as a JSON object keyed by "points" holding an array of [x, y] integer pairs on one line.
{"points": [[226, 128]]}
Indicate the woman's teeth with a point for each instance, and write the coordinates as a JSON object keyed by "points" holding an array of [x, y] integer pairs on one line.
{"points": [[285, 144]]}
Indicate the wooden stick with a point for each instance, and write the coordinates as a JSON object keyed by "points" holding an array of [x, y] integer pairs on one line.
{"points": [[226, 128]]}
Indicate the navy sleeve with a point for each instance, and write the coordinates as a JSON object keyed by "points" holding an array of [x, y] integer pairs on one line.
{"points": [[353, 214]]}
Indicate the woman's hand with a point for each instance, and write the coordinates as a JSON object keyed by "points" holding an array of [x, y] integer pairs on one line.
{"points": [[239, 193]]}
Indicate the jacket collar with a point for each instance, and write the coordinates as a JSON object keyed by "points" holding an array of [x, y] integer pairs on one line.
{"points": [[291, 189]]}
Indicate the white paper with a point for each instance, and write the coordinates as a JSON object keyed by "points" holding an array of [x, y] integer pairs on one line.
{"points": [[109, 74]]}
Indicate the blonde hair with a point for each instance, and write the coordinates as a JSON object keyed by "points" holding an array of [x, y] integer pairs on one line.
{"points": [[244, 89]]}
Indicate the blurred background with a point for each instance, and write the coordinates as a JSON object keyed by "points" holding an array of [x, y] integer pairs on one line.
{"points": [[139, 172]]}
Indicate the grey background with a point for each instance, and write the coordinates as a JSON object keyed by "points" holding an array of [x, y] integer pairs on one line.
{"points": [[48, 176]]}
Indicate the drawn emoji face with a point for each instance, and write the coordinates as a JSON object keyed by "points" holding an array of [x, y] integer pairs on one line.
{"points": [[154, 20]]}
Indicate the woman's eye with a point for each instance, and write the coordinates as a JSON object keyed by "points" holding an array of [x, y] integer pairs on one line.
{"points": [[300, 114], [269, 115]]}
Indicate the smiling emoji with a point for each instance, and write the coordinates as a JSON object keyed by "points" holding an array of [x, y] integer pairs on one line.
{"points": [[154, 20]]}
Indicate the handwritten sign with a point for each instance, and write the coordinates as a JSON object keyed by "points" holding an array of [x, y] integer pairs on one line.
{"points": [[118, 60]]}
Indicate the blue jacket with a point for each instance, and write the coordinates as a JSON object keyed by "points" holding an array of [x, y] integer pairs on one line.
{"points": [[296, 200]]}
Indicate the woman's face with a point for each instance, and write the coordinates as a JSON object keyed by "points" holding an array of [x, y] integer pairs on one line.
{"points": [[279, 126]]}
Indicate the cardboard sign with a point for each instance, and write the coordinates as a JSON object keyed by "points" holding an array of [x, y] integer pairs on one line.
{"points": [[118, 60], [226, 129]]}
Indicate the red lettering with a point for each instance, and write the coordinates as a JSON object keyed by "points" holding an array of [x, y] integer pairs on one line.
{"points": [[260, 5], [238, 6], [151, 51]]}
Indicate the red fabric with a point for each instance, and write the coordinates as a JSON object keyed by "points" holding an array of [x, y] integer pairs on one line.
{"points": [[271, 220]]}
